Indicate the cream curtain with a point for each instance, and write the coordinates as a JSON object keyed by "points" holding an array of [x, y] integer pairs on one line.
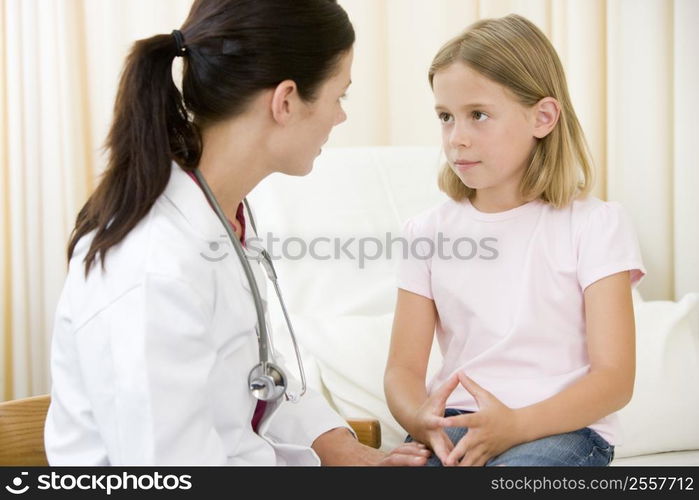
{"points": [[44, 137], [59, 64], [632, 69]]}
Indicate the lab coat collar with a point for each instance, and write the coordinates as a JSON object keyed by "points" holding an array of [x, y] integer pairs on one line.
{"points": [[190, 201]]}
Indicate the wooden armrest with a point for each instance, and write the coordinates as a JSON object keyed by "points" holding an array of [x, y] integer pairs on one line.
{"points": [[22, 431], [368, 431]]}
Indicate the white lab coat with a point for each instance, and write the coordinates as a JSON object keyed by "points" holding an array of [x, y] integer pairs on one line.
{"points": [[150, 358]]}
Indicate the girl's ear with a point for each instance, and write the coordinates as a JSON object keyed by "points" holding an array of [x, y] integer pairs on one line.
{"points": [[547, 112], [283, 100]]}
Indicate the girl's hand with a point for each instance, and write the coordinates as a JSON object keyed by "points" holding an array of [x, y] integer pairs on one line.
{"points": [[429, 420], [493, 429]]}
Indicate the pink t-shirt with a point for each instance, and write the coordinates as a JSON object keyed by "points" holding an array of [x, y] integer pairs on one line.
{"points": [[508, 288]]}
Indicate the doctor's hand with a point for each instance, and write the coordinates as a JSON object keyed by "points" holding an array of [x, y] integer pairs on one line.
{"points": [[492, 430], [428, 422], [340, 447], [408, 454]]}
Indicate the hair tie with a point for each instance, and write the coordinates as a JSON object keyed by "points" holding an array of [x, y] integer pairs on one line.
{"points": [[179, 40]]}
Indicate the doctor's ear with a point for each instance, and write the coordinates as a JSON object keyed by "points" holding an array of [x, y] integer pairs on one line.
{"points": [[284, 99], [546, 114]]}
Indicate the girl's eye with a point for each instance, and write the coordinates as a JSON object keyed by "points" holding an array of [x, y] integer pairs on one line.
{"points": [[479, 116], [343, 96], [445, 117]]}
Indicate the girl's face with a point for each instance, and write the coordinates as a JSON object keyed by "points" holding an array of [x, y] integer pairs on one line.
{"points": [[487, 135]]}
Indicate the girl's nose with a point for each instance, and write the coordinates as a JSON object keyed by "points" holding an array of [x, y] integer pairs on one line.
{"points": [[459, 137]]}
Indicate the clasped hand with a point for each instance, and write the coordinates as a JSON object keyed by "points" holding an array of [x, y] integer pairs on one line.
{"points": [[493, 429]]}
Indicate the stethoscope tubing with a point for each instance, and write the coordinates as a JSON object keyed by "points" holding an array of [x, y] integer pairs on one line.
{"points": [[263, 337], [257, 298]]}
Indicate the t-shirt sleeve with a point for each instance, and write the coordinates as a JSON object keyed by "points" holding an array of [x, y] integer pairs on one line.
{"points": [[608, 245], [414, 266]]}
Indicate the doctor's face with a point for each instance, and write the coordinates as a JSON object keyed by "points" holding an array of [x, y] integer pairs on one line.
{"points": [[317, 120]]}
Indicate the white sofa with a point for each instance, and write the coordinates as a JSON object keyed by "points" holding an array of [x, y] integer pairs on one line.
{"points": [[342, 307]]}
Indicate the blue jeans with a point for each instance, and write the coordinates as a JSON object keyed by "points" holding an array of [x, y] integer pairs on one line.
{"points": [[583, 447]]}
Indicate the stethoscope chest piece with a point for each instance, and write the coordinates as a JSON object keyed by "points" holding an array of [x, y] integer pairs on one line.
{"points": [[267, 381]]}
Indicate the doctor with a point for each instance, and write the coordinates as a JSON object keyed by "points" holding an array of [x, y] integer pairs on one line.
{"points": [[154, 337]]}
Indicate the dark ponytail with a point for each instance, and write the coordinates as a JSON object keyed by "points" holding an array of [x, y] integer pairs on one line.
{"points": [[234, 50], [148, 112]]}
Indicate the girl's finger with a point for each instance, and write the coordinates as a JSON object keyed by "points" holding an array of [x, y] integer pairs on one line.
{"points": [[478, 393], [461, 449], [435, 422], [442, 446], [441, 395], [467, 420], [474, 458]]}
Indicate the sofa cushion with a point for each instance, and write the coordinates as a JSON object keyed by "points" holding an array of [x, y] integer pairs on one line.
{"points": [[663, 414]]}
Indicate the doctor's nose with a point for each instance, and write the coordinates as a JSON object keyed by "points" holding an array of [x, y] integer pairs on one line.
{"points": [[459, 137], [341, 117]]}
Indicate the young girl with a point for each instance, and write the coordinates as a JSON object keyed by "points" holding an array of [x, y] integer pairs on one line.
{"points": [[534, 319]]}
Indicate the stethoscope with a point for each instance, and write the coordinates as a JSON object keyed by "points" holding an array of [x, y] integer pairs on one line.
{"points": [[266, 381]]}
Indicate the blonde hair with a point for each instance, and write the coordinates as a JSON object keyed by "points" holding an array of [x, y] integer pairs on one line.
{"points": [[513, 52]]}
